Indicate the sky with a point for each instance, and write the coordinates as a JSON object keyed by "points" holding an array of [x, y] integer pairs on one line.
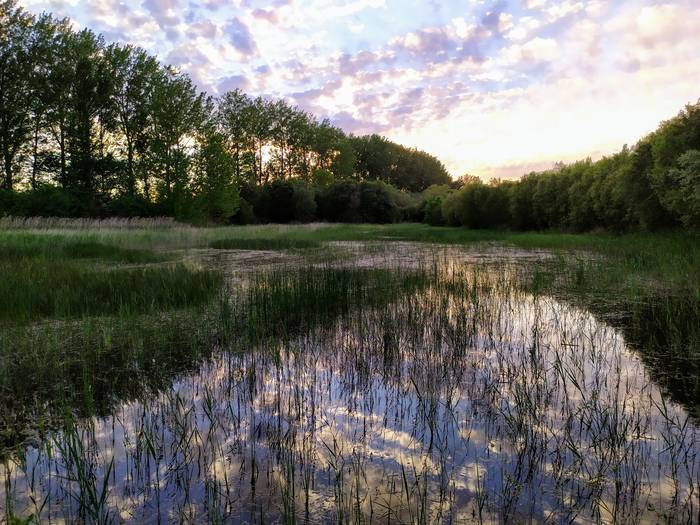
{"points": [[493, 88]]}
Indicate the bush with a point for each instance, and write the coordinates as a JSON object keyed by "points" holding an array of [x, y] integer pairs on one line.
{"points": [[245, 213], [130, 206], [276, 202], [304, 202], [339, 202], [682, 198], [8, 203], [432, 212], [53, 201], [322, 177], [348, 201], [376, 204]]}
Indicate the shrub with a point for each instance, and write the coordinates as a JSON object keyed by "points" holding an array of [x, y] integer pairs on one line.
{"points": [[432, 211], [130, 206], [304, 202]]}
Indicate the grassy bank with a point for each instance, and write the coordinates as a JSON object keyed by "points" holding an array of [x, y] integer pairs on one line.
{"points": [[672, 257], [632, 266]]}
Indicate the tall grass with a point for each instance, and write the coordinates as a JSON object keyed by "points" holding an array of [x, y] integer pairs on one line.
{"points": [[53, 223], [39, 289], [288, 300], [15, 247]]}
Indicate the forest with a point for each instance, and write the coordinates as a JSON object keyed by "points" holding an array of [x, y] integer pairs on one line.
{"points": [[91, 129], [654, 185], [95, 129]]}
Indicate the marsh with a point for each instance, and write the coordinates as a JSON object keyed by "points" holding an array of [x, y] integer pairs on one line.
{"points": [[337, 381]]}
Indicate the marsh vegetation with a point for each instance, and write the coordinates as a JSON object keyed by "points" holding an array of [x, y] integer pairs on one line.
{"points": [[298, 374]]}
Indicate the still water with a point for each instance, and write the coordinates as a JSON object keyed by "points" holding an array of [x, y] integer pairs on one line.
{"points": [[466, 400]]}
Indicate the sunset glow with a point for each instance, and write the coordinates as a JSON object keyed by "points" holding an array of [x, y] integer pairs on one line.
{"points": [[492, 88]]}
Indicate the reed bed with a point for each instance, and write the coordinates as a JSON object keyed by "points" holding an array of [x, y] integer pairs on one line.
{"points": [[111, 223], [458, 396]]}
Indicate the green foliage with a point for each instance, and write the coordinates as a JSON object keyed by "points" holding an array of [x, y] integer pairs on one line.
{"points": [[322, 177], [649, 187], [370, 202], [217, 195], [407, 169], [125, 135], [304, 202], [682, 194], [245, 214], [432, 211], [129, 205], [90, 129]]}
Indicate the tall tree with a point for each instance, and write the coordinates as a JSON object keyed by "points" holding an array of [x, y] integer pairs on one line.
{"points": [[16, 73], [176, 113], [214, 183], [90, 106], [134, 75], [235, 117]]}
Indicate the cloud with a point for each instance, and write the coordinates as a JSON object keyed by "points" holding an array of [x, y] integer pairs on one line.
{"points": [[231, 83], [489, 86], [241, 38], [164, 11], [265, 14], [536, 50]]}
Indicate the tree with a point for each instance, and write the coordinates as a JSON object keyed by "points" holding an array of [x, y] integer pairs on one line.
{"points": [[683, 195], [134, 75], [90, 108], [261, 126], [235, 118], [16, 75], [214, 185], [176, 114]]}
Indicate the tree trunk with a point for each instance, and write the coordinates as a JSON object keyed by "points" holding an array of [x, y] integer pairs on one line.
{"points": [[35, 147], [62, 145], [260, 177], [8, 171], [131, 179]]}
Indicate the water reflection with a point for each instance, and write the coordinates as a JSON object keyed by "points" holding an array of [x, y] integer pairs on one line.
{"points": [[467, 401]]}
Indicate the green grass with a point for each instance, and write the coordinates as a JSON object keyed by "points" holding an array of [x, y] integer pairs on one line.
{"points": [[38, 289], [16, 247], [280, 243], [630, 264], [671, 259], [53, 372]]}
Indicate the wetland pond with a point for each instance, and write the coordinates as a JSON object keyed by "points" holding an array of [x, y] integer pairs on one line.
{"points": [[417, 384]]}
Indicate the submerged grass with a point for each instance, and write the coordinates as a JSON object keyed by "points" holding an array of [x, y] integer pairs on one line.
{"points": [[308, 373], [52, 373], [288, 300], [468, 400]]}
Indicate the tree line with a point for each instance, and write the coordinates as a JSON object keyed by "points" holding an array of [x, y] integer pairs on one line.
{"points": [[651, 186], [95, 129], [90, 128]]}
